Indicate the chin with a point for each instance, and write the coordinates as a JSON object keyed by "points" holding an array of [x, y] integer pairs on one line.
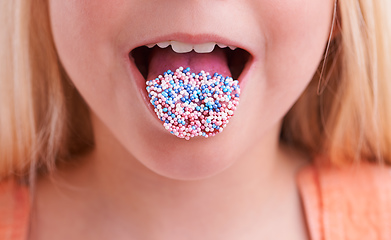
{"points": [[179, 159]]}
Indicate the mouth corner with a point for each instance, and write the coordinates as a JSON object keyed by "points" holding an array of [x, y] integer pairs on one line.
{"points": [[140, 56]]}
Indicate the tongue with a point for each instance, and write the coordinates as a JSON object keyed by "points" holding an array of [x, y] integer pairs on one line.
{"points": [[166, 59]]}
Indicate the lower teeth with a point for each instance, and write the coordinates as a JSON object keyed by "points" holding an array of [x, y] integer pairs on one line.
{"points": [[190, 104]]}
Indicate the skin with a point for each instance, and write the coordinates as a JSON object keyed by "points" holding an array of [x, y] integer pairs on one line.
{"points": [[140, 182]]}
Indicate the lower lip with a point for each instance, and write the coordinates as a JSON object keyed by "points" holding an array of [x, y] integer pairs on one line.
{"points": [[141, 86]]}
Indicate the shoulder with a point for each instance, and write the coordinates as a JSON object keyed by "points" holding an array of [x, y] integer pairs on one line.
{"points": [[14, 210], [351, 202]]}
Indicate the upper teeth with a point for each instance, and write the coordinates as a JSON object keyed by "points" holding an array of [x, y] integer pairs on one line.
{"points": [[181, 47]]}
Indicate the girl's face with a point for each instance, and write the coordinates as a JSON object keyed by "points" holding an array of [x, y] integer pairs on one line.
{"points": [[284, 39]]}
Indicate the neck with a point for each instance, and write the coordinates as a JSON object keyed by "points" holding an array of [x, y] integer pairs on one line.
{"points": [[247, 193]]}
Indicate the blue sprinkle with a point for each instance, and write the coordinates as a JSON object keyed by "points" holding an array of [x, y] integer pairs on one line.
{"points": [[208, 120], [198, 108], [194, 127], [236, 95], [183, 99], [165, 109], [205, 108], [173, 115], [167, 121]]}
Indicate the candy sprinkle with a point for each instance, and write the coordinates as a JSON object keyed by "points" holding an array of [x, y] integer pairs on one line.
{"points": [[191, 104]]}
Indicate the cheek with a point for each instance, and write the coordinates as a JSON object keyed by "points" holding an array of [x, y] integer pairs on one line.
{"points": [[81, 31], [85, 34], [296, 33]]}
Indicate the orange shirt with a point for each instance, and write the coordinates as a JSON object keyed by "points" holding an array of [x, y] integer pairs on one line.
{"points": [[14, 211], [349, 203]]}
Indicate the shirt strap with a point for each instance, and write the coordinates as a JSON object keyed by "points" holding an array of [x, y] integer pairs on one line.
{"points": [[346, 203], [14, 210]]}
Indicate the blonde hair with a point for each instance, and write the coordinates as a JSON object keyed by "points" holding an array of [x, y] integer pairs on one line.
{"points": [[43, 118], [345, 117]]}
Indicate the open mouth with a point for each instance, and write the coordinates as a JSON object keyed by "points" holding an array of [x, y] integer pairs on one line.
{"points": [[234, 58], [193, 89]]}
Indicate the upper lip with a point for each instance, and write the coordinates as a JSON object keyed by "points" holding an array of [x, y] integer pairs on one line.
{"points": [[195, 39], [237, 64]]}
